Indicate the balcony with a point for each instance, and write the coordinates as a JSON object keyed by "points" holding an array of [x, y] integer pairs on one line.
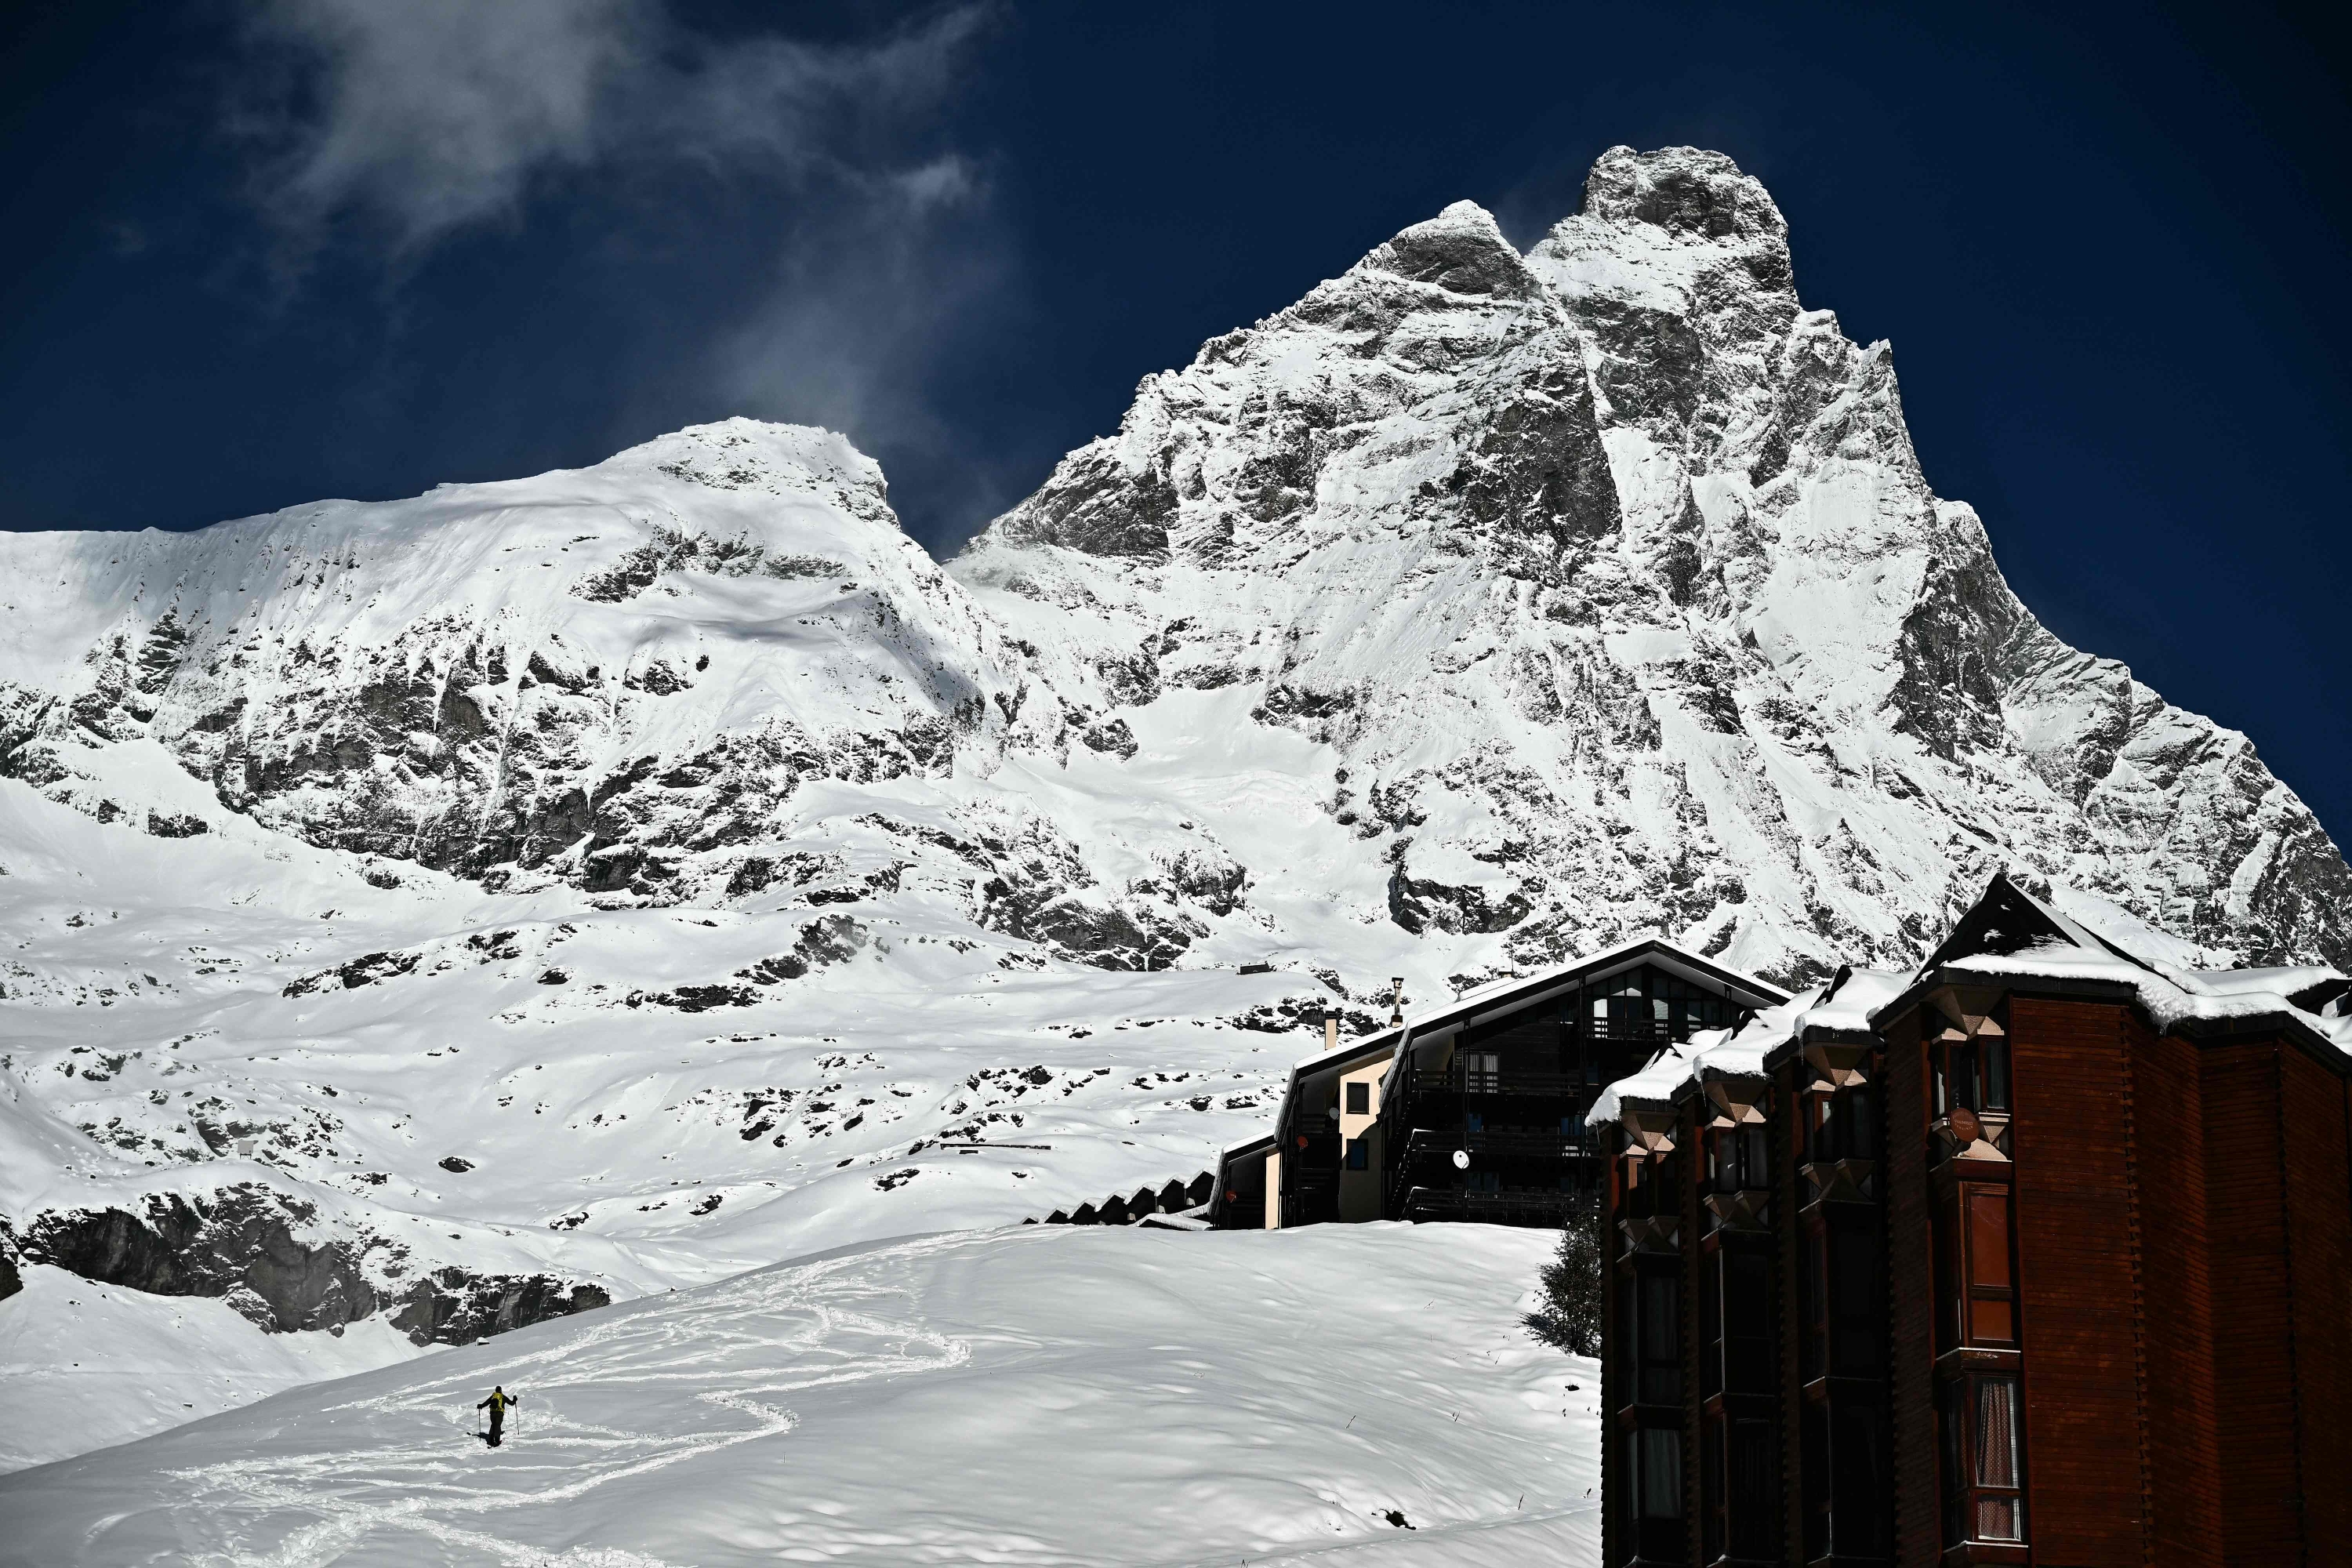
{"points": [[1554, 1085], [1438, 1143], [1531, 1208]]}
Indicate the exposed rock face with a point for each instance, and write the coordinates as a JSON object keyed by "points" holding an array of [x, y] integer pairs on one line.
{"points": [[547, 680], [1610, 574], [243, 1243]]}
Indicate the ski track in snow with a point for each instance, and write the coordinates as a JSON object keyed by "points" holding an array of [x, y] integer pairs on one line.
{"points": [[1039, 1397], [435, 1491]]}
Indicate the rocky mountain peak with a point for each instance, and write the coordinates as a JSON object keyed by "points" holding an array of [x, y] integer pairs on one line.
{"points": [[1618, 563], [1460, 250], [1684, 190]]}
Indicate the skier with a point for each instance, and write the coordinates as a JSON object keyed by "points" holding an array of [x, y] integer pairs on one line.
{"points": [[497, 1405]]}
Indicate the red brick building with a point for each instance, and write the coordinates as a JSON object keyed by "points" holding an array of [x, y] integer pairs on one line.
{"points": [[2040, 1255]]}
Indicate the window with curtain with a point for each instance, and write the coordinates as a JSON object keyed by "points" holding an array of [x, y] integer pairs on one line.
{"points": [[1661, 1482], [1999, 1505], [1983, 1467]]}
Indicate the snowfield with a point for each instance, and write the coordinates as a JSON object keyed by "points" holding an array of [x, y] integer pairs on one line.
{"points": [[1027, 1396], [86, 1364]]}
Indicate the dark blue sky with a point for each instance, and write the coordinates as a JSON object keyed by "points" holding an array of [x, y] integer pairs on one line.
{"points": [[260, 254]]}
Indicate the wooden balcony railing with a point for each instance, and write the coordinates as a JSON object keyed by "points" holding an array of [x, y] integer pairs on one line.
{"points": [[1492, 1208]]}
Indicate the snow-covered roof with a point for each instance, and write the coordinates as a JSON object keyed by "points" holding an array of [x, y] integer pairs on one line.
{"points": [[1843, 1006], [1483, 1002], [2010, 934]]}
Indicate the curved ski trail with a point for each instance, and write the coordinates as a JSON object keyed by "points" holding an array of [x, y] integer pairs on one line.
{"points": [[765, 1336]]}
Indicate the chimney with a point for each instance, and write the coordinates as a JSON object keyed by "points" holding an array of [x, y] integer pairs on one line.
{"points": [[1331, 1030], [1396, 999]]}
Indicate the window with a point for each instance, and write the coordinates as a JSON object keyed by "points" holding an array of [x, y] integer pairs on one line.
{"points": [[1843, 1125], [1995, 1060], [1660, 1340], [1737, 1157], [1972, 1074], [1858, 1494], [1359, 1158], [1857, 1302], [1976, 1289], [1359, 1098], [1651, 1005], [1661, 1480], [1481, 1072], [1747, 1322], [1992, 1312], [2000, 1509], [1984, 1469], [1710, 1333], [1755, 1497], [1814, 1303]]}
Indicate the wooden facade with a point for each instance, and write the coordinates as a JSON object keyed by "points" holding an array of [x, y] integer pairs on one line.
{"points": [[2041, 1254], [1478, 1111]]}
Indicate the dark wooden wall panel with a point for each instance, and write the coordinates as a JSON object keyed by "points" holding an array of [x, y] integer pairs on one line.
{"points": [[1613, 1240], [1788, 1155], [2253, 1350], [1911, 1285], [2076, 1278], [2169, 1149], [1687, 1144], [2318, 1170]]}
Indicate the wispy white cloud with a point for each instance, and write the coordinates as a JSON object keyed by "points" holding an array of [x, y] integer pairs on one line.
{"points": [[394, 127], [425, 117]]}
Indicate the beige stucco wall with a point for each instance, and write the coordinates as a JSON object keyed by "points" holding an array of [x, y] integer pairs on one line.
{"points": [[1359, 1191]]}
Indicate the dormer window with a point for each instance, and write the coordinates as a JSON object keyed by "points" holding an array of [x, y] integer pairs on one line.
{"points": [[1972, 1065]]}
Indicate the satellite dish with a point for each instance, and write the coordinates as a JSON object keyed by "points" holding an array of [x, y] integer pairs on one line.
{"points": [[1462, 1159]]}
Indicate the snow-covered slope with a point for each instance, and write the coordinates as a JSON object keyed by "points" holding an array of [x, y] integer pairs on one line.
{"points": [[472, 909], [1039, 1396], [86, 1364]]}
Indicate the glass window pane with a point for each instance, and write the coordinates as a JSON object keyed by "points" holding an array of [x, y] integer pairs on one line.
{"points": [[1997, 1433], [1997, 1519], [1662, 1473], [1988, 1239]]}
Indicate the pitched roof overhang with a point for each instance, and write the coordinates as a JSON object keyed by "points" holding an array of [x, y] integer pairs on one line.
{"points": [[2012, 942], [1487, 1003]]}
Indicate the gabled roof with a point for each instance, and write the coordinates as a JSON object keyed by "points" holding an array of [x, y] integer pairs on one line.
{"points": [[1480, 1003], [2008, 936]]}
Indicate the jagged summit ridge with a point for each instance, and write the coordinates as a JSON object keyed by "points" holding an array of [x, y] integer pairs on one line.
{"points": [[1612, 576], [1602, 581]]}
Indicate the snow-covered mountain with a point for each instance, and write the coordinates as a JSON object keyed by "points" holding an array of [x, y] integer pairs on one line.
{"points": [[1609, 577], [467, 910]]}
